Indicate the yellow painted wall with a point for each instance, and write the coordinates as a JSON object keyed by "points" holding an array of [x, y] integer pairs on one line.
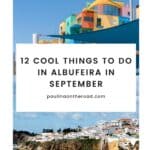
{"points": [[106, 2], [62, 28], [61, 40], [54, 41], [43, 42], [113, 145], [107, 21]]}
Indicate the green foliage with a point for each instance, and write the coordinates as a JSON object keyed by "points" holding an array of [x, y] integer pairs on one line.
{"points": [[48, 130]]}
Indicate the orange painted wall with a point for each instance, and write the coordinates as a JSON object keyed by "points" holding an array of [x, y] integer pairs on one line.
{"points": [[85, 23]]}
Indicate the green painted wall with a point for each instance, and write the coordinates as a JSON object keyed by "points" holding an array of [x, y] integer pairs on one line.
{"points": [[71, 20]]}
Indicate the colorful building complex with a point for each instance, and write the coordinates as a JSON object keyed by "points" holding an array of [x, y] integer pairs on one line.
{"points": [[98, 15]]}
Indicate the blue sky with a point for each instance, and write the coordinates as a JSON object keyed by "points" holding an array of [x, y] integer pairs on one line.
{"points": [[44, 16], [35, 122]]}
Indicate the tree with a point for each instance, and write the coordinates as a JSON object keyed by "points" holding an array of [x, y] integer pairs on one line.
{"points": [[48, 130], [59, 130]]}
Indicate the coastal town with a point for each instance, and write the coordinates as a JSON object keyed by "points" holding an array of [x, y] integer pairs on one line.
{"points": [[122, 133]]}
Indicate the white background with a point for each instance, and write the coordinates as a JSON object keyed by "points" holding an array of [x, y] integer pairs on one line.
{"points": [[6, 34], [6, 76], [120, 89]]}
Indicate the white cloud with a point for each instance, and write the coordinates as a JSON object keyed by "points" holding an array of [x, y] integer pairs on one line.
{"points": [[77, 116], [100, 121], [27, 115], [61, 115], [128, 115], [31, 115], [64, 115]]}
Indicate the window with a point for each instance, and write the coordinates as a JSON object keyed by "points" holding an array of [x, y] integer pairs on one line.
{"points": [[79, 20], [128, 13], [88, 19], [99, 21], [111, 10]]}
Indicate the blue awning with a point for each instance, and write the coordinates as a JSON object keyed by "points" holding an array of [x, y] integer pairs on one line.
{"points": [[125, 33]]}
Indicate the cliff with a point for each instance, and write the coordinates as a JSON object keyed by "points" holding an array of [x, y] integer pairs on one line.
{"points": [[76, 144]]}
